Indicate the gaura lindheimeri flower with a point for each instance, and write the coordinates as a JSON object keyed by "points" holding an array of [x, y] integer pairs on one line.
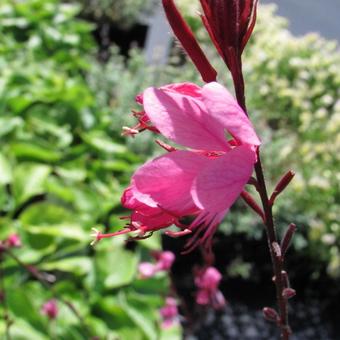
{"points": [[207, 282], [202, 181]]}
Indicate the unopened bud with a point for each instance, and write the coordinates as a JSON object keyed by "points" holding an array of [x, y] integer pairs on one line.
{"points": [[184, 34], [287, 238], [288, 293], [283, 183], [270, 314], [252, 204]]}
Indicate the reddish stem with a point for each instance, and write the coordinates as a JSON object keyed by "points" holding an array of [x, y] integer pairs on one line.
{"points": [[277, 261]]}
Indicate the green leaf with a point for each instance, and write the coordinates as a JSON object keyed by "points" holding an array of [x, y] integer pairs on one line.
{"points": [[29, 180], [141, 314], [21, 330], [47, 213], [102, 142], [65, 231], [115, 266], [35, 152], [80, 265], [5, 170]]}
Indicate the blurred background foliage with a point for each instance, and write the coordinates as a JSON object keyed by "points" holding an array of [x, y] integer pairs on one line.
{"points": [[64, 164]]}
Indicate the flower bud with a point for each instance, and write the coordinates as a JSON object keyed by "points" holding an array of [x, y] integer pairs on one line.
{"points": [[283, 183], [13, 241], [285, 243], [288, 293], [50, 309], [184, 34], [270, 314]]}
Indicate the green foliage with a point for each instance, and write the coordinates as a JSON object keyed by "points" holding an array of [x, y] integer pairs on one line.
{"points": [[123, 13], [63, 166]]}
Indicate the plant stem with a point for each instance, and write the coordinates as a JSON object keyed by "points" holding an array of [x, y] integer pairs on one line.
{"points": [[277, 261]]}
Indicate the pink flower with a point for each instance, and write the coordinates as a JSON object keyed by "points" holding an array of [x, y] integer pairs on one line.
{"points": [[165, 259], [207, 282], [203, 181], [164, 262], [169, 313], [50, 309], [13, 241]]}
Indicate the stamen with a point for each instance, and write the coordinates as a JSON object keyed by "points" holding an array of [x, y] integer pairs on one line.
{"points": [[176, 234], [98, 235]]}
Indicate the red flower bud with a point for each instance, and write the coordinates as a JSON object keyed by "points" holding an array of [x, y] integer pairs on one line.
{"points": [[283, 183], [50, 309], [287, 238], [252, 204], [187, 39], [230, 24], [270, 314], [288, 293]]}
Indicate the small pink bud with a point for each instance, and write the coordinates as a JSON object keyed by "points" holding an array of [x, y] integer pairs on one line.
{"points": [[50, 309], [288, 293], [210, 279], [2, 296], [270, 314], [165, 260], [169, 312], [146, 270], [13, 241]]}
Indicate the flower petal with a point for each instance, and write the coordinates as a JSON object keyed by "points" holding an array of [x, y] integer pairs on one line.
{"points": [[224, 109], [166, 181], [220, 183], [183, 119]]}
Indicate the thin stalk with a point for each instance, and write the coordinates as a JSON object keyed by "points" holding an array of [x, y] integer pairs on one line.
{"points": [[277, 261]]}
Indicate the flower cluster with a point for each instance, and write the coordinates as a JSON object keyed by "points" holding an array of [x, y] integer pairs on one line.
{"points": [[169, 313], [207, 281]]}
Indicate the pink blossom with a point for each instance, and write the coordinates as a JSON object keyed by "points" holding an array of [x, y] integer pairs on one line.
{"points": [[165, 259], [13, 241], [169, 312], [164, 262], [202, 181], [207, 282], [50, 309]]}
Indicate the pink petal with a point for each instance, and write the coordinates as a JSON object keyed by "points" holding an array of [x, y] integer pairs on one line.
{"points": [[146, 270], [166, 181], [224, 109], [203, 297], [188, 89], [220, 183], [183, 119]]}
